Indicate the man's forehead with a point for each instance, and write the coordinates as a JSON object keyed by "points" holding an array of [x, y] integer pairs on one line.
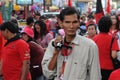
{"points": [[71, 17]]}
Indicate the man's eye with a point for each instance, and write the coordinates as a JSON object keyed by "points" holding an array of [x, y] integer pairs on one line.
{"points": [[67, 21], [75, 21]]}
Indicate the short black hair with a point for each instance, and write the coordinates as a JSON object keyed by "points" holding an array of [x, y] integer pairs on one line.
{"points": [[93, 25], [104, 24], [29, 20], [10, 26], [14, 21], [90, 16], [68, 11]]}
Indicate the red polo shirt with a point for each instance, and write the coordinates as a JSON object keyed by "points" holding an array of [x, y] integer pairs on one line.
{"points": [[115, 75], [2, 42], [13, 55], [103, 41]]}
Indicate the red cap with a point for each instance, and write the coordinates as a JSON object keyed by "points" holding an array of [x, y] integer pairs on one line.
{"points": [[29, 32]]}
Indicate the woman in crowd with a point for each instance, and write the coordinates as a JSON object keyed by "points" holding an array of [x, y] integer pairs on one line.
{"points": [[36, 53], [103, 41], [114, 31], [41, 34], [115, 25]]}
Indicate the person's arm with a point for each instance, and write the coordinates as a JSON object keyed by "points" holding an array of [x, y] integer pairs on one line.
{"points": [[49, 62], [53, 61], [25, 69], [114, 54]]}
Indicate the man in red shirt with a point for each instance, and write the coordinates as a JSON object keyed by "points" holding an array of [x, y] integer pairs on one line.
{"points": [[15, 55], [115, 75]]}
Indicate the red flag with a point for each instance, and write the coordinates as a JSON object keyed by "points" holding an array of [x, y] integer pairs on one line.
{"points": [[108, 7], [99, 11], [69, 3], [1, 20]]}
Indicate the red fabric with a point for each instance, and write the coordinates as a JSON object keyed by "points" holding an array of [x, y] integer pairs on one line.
{"points": [[99, 11], [2, 42], [115, 75], [29, 31], [13, 56], [113, 33], [47, 24], [1, 20], [103, 41], [88, 23], [69, 3], [65, 52], [98, 16], [108, 7]]}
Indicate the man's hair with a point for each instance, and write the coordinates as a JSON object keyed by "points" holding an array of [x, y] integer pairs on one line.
{"points": [[104, 24], [29, 20], [68, 11], [93, 25], [10, 26], [14, 21], [90, 16]]}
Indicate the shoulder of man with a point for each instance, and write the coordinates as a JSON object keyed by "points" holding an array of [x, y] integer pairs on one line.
{"points": [[84, 40]]}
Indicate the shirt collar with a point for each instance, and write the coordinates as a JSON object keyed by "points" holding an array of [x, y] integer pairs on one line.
{"points": [[75, 40]]}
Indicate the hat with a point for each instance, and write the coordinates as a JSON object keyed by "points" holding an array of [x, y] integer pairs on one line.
{"points": [[29, 32]]}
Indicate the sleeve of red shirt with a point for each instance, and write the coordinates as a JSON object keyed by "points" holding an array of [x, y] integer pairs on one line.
{"points": [[115, 45], [24, 51], [2, 42]]}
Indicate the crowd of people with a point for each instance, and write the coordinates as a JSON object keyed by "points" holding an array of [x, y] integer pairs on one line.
{"points": [[68, 46]]}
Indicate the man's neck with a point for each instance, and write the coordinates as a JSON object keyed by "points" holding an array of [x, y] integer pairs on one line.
{"points": [[69, 39], [12, 36]]}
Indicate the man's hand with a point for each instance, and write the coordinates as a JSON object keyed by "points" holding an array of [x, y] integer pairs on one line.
{"points": [[25, 69]]}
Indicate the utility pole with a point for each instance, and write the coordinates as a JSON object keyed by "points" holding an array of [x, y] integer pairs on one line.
{"points": [[44, 3]]}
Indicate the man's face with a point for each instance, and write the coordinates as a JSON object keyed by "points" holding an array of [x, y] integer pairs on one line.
{"points": [[91, 31], [70, 24]]}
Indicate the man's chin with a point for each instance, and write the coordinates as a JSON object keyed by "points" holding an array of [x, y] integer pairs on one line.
{"points": [[72, 35]]}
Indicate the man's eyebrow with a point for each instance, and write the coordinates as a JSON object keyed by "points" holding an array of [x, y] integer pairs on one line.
{"points": [[75, 21], [71, 21], [67, 21]]}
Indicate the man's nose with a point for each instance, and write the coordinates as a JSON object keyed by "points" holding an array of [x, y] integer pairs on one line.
{"points": [[71, 25]]}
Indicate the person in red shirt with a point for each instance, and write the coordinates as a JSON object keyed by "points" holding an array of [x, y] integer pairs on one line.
{"points": [[115, 31], [15, 54], [2, 42], [103, 41], [115, 75]]}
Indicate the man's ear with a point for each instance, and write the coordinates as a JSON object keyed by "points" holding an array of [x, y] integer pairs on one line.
{"points": [[61, 23], [7, 31]]}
